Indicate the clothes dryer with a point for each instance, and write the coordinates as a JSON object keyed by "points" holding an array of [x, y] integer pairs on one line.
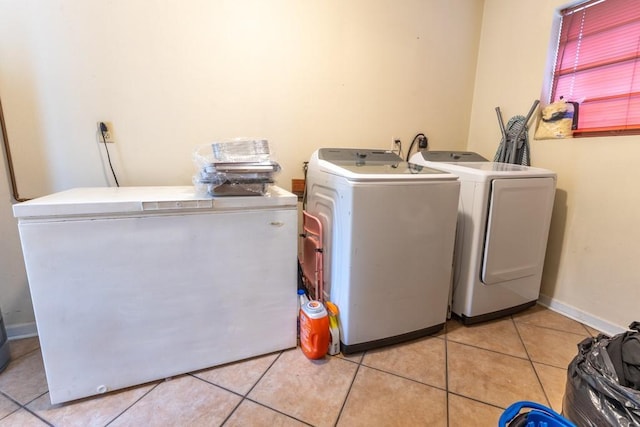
{"points": [[504, 216], [388, 235]]}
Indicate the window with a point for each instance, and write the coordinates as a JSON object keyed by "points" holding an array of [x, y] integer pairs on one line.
{"points": [[598, 65]]}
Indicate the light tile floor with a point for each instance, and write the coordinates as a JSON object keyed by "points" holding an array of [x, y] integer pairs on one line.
{"points": [[462, 376]]}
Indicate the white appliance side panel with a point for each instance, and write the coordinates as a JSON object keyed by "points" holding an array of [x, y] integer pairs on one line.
{"points": [[125, 301], [401, 258], [396, 254], [472, 219], [517, 228]]}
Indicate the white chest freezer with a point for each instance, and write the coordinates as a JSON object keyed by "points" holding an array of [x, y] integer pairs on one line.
{"points": [[135, 284]]}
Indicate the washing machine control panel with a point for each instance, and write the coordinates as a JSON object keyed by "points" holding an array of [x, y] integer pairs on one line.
{"points": [[334, 155]]}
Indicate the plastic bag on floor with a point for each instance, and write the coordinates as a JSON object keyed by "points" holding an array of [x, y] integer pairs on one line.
{"points": [[538, 416], [601, 389]]}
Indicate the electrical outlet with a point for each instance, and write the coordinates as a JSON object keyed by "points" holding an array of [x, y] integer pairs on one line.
{"points": [[105, 136]]}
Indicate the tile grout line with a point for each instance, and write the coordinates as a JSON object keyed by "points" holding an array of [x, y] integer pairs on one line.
{"points": [[404, 378], [21, 406], [546, 396], [535, 325], [275, 410], [408, 378], [353, 380], [195, 377], [38, 416], [244, 396], [551, 366], [134, 403], [490, 350], [446, 372], [477, 400]]}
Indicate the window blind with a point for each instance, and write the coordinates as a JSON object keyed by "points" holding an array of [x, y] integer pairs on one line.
{"points": [[598, 65]]}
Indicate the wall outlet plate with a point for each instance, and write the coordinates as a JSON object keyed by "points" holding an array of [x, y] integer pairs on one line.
{"points": [[108, 135]]}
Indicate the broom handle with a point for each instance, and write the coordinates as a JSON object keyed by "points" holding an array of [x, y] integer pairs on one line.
{"points": [[501, 154]]}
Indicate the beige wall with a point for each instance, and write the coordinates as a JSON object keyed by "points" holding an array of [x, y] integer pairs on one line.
{"points": [[591, 270], [173, 75]]}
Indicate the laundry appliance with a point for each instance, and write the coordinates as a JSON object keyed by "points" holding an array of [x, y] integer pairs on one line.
{"points": [[503, 224], [388, 236], [136, 284]]}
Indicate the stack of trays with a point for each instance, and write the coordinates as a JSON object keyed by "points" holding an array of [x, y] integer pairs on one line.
{"points": [[238, 178], [239, 168]]}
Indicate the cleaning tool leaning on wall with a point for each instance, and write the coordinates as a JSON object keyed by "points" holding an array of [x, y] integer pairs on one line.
{"points": [[514, 145]]}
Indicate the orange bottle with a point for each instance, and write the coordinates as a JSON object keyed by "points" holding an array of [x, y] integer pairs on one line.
{"points": [[314, 330]]}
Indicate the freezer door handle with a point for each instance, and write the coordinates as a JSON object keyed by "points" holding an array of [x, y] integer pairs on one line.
{"points": [[177, 204]]}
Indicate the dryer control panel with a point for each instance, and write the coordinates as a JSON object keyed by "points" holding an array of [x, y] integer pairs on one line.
{"points": [[452, 156]]}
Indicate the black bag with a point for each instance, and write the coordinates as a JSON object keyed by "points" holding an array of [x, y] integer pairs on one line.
{"points": [[624, 350], [603, 387]]}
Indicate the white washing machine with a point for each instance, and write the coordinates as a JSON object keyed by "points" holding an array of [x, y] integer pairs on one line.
{"points": [[503, 225], [388, 232]]}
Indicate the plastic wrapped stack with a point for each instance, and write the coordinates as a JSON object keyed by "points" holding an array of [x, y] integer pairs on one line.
{"points": [[239, 167]]}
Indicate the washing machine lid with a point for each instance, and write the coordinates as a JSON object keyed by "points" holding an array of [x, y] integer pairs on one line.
{"points": [[373, 165]]}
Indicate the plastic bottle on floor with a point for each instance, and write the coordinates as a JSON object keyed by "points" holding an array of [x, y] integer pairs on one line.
{"points": [[302, 300], [314, 330], [334, 330]]}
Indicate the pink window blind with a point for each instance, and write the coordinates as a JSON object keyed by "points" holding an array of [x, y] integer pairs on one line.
{"points": [[598, 65]]}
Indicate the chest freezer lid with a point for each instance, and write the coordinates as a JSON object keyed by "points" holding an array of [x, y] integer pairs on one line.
{"points": [[91, 201]]}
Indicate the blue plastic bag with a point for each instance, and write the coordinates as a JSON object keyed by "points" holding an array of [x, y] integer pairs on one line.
{"points": [[538, 416]]}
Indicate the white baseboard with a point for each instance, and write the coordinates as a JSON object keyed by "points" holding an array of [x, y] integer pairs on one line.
{"points": [[21, 330], [580, 316]]}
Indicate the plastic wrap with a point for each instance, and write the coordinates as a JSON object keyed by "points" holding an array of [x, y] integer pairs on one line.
{"points": [[594, 396], [239, 167], [241, 150], [557, 120]]}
